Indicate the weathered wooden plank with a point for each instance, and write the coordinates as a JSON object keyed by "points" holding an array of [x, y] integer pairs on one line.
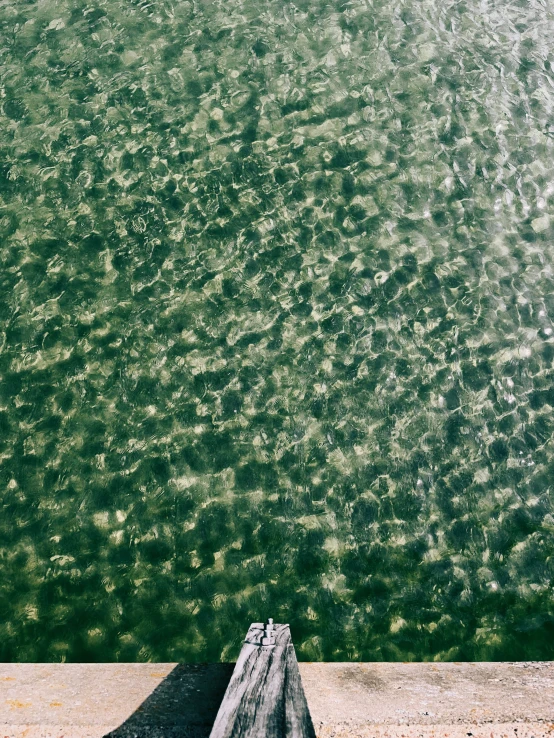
{"points": [[265, 697], [297, 714]]}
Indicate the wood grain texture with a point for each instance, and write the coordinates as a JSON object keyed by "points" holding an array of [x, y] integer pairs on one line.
{"points": [[265, 697]]}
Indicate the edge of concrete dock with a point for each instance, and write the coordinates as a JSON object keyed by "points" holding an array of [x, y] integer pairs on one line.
{"points": [[354, 700]]}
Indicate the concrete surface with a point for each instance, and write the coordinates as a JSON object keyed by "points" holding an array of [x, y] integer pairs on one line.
{"points": [[382, 700], [354, 700]]}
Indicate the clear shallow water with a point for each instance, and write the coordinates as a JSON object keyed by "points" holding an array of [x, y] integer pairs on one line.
{"points": [[276, 311]]}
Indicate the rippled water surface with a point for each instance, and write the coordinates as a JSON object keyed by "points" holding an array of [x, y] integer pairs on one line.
{"points": [[276, 328]]}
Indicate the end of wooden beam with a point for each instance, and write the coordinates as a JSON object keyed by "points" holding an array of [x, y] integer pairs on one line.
{"points": [[265, 697]]}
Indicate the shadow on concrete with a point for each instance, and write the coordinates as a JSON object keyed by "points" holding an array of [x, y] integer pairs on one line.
{"points": [[184, 705]]}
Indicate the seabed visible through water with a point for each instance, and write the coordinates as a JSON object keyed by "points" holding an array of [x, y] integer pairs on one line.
{"points": [[276, 328]]}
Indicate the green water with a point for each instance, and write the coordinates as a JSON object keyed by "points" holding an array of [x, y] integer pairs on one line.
{"points": [[276, 301]]}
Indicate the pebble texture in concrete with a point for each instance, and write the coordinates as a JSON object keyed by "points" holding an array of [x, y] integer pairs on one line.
{"points": [[123, 700], [382, 700], [346, 700]]}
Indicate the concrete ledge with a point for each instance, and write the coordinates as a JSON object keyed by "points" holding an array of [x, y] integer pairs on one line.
{"points": [[354, 700], [383, 700]]}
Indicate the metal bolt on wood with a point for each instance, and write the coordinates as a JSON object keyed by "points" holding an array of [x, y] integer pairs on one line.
{"points": [[268, 638]]}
